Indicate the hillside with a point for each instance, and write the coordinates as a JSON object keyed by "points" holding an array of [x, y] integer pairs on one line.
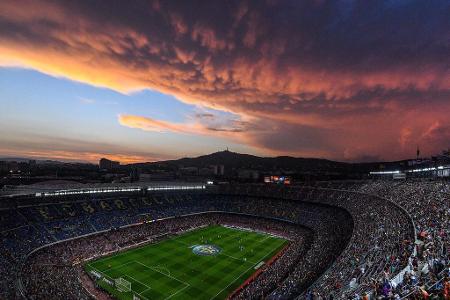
{"points": [[233, 160]]}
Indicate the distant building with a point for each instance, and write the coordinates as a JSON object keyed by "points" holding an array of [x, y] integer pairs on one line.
{"points": [[135, 174], [206, 171], [248, 174], [162, 176], [106, 164], [189, 171], [13, 166], [4, 167], [221, 170], [217, 170]]}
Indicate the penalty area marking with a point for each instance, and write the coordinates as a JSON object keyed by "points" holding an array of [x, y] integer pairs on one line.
{"points": [[125, 275], [118, 267], [183, 288], [186, 285], [158, 267], [104, 275], [134, 279], [156, 270]]}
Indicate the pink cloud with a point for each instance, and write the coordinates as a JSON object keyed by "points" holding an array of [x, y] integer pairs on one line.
{"points": [[313, 79]]}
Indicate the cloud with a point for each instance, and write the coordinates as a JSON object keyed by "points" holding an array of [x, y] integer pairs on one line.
{"points": [[205, 116], [357, 69], [67, 149], [204, 128], [149, 124], [77, 156], [269, 137], [437, 133], [86, 100]]}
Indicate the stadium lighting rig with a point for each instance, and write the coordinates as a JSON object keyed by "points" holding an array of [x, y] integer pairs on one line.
{"points": [[120, 189]]}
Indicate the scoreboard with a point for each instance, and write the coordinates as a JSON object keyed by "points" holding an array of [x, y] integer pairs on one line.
{"points": [[278, 179]]}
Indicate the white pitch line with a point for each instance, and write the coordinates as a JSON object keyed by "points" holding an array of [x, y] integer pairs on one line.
{"points": [[137, 281], [270, 253], [143, 292], [236, 258], [230, 256], [183, 288], [162, 268], [186, 285], [170, 276], [232, 282], [239, 276], [147, 287], [119, 266], [264, 239], [100, 271]]}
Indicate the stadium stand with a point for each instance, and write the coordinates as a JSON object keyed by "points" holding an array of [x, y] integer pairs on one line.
{"points": [[351, 240]]}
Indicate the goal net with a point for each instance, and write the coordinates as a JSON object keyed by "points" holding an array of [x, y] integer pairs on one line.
{"points": [[122, 285]]}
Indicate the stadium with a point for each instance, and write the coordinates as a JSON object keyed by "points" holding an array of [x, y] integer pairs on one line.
{"points": [[211, 150], [378, 239]]}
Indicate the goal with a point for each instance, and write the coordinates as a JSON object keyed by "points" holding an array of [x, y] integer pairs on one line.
{"points": [[122, 285]]}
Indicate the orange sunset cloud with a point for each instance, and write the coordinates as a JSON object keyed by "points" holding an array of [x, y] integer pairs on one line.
{"points": [[277, 72]]}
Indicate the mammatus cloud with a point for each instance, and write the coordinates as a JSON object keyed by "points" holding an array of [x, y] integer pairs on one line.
{"points": [[335, 79]]}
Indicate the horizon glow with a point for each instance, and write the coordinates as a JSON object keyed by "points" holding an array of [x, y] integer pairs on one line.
{"points": [[349, 81]]}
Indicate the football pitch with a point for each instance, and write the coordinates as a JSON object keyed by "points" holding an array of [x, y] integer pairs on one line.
{"points": [[206, 263]]}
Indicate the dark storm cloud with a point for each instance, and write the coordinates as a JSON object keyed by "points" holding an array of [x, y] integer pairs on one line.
{"points": [[309, 67]]}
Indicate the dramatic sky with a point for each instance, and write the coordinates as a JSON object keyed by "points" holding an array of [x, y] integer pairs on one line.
{"points": [[147, 80]]}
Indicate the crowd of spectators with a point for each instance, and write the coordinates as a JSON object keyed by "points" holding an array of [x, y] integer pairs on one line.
{"points": [[380, 245], [56, 270], [428, 203], [360, 241], [332, 227]]}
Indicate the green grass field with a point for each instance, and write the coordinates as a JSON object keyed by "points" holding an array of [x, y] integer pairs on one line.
{"points": [[171, 270]]}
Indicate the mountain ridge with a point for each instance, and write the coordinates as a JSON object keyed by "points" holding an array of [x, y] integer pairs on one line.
{"points": [[234, 160]]}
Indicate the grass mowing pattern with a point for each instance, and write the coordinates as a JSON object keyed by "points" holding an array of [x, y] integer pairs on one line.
{"points": [[170, 270]]}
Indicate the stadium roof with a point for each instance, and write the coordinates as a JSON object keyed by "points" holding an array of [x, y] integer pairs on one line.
{"points": [[64, 187]]}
